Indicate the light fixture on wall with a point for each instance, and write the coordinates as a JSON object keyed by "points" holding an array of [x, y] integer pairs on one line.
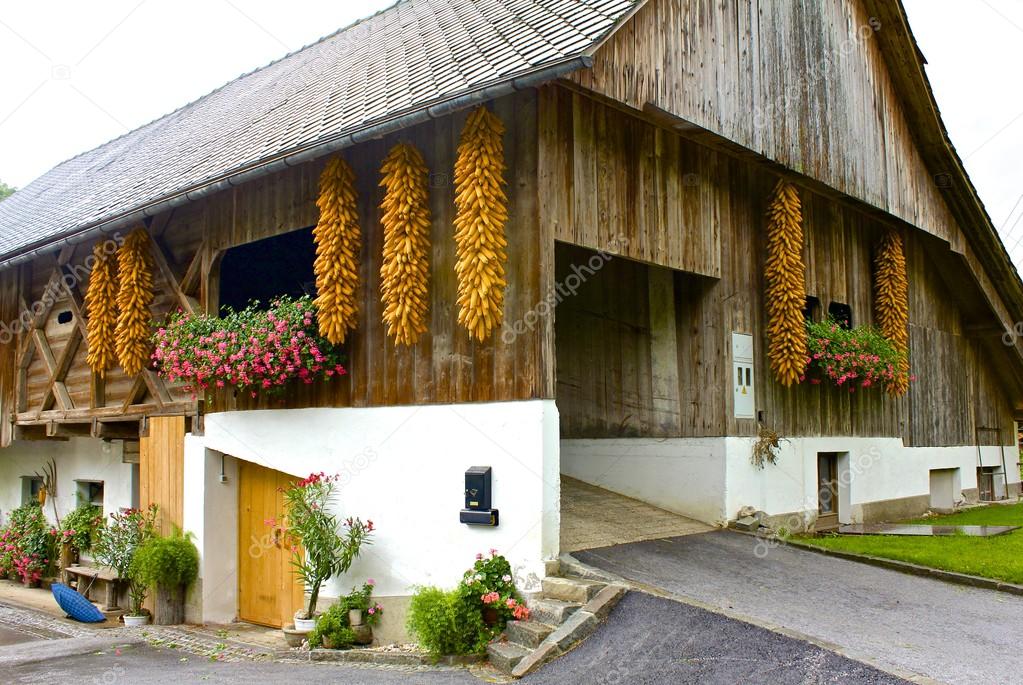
{"points": [[223, 475]]}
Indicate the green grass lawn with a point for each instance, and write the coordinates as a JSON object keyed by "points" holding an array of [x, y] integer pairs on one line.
{"points": [[999, 557]]}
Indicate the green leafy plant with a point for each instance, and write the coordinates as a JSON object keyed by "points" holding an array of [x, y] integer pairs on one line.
{"points": [[362, 599], [253, 350], [333, 627], [489, 588], [79, 527], [444, 623], [166, 561], [850, 358], [319, 550], [117, 543], [27, 543]]}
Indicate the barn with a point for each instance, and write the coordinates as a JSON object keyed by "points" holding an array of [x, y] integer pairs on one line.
{"points": [[638, 341]]}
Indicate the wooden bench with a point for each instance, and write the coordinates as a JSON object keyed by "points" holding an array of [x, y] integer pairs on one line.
{"points": [[86, 579]]}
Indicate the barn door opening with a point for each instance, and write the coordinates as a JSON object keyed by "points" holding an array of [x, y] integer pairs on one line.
{"points": [[268, 593]]}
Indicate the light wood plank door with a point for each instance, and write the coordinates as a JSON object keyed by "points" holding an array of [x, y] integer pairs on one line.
{"points": [[268, 592], [162, 470]]}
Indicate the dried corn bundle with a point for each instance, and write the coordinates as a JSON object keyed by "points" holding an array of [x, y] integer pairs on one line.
{"points": [[785, 293], [891, 303], [101, 308], [481, 212], [338, 241], [134, 295], [405, 270]]}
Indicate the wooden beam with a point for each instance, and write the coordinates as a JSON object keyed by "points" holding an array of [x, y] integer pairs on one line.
{"points": [[190, 281], [188, 304], [59, 389], [59, 374], [135, 393], [134, 412]]}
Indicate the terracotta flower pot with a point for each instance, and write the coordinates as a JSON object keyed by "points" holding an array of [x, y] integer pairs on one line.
{"points": [[490, 616]]}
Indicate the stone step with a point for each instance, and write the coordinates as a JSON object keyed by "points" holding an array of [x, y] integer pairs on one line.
{"points": [[571, 589], [552, 611], [504, 656], [529, 634]]}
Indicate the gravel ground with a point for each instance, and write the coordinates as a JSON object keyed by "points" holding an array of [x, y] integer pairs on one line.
{"points": [[950, 633]]}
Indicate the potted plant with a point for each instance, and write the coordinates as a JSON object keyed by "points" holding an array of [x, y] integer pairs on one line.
{"points": [[137, 614], [321, 546], [168, 564], [117, 542], [28, 544], [361, 608], [77, 532]]}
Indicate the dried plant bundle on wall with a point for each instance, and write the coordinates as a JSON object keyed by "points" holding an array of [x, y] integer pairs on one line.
{"points": [[134, 295], [405, 269], [481, 212], [891, 303], [785, 290], [338, 241], [101, 310]]}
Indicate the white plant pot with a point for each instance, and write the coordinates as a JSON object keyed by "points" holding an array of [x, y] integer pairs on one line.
{"points": [[305, 624], [355, 617], [135, 621]]}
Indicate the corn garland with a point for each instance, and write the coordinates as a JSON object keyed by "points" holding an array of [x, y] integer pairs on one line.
{"points": [[134, 295], [891, 303], [338, 241], [481, 213], [405, 269], [101, 310], [784, 274]]}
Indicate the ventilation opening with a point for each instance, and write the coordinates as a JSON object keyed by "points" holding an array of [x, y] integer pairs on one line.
{"points": [[841, 313], [65, 317], [812, 309], [267, 269]]}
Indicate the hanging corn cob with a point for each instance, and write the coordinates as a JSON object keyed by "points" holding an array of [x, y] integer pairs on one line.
{"points": [[338, 241], [785, 292], [405, 270], [134, 295], [891, 303], [101, 308], [481, 213]]}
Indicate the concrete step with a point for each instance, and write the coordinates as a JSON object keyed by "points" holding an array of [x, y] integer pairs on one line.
{"points": [[529, 634], [571, 589], [504, 656], [552, 611]]}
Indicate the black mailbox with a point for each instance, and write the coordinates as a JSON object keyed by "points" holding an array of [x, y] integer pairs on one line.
{"points": [[478, 493]]}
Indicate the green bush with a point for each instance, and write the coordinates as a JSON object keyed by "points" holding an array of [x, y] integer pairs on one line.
{"points": [[81, 525], [333, 624], [445, 623], [166, 561]]}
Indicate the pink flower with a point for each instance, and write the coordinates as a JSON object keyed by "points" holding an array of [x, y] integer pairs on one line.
{"points": [[370, 582]]}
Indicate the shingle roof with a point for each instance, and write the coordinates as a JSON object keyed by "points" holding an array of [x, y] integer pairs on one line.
{"points": [[409, 55]]}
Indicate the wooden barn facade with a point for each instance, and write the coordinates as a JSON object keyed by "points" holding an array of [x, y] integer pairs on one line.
{"points": [[642, 145]]}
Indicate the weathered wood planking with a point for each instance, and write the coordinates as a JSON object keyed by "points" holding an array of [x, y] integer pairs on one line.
{"points": [[606, 336], [803, 83], [618, 184], [162, 470]]}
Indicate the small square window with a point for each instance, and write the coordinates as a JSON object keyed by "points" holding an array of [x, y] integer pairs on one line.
{"points": [[90, 492], [812, 309], [30, 487]]}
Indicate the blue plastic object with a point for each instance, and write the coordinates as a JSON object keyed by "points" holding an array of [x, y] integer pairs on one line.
{"points": [[76, 605]]}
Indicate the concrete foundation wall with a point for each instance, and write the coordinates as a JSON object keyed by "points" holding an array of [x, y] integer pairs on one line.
{"points": [[684, 475], [401, 467]]}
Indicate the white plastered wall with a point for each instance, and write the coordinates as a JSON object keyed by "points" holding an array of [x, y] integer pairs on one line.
{"points": [[76, 459], [401, 467]]}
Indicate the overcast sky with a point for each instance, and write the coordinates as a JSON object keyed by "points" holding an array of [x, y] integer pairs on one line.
{"points": [[77, 74]]}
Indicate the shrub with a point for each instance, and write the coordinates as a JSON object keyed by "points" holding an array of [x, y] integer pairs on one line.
{"points": [[851, 357], [27, 543], [444, 623], [334, 626], [80, 526], [489, 585], [128, 529], [166, 561], [319, 551], [251, 350]]}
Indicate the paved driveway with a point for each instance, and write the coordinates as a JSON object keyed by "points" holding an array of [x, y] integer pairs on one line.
{"points": [[899, 622]]}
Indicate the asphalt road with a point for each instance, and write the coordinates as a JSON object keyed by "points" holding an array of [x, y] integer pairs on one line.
{"points": [[951, 633], [645, 640]]}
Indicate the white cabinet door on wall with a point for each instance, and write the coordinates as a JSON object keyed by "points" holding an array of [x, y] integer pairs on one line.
{"points": [[744, 406]]}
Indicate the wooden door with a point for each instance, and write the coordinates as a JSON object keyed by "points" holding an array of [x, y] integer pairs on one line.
{"points": [[268, 592], [162, 469], [827, 491]]}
